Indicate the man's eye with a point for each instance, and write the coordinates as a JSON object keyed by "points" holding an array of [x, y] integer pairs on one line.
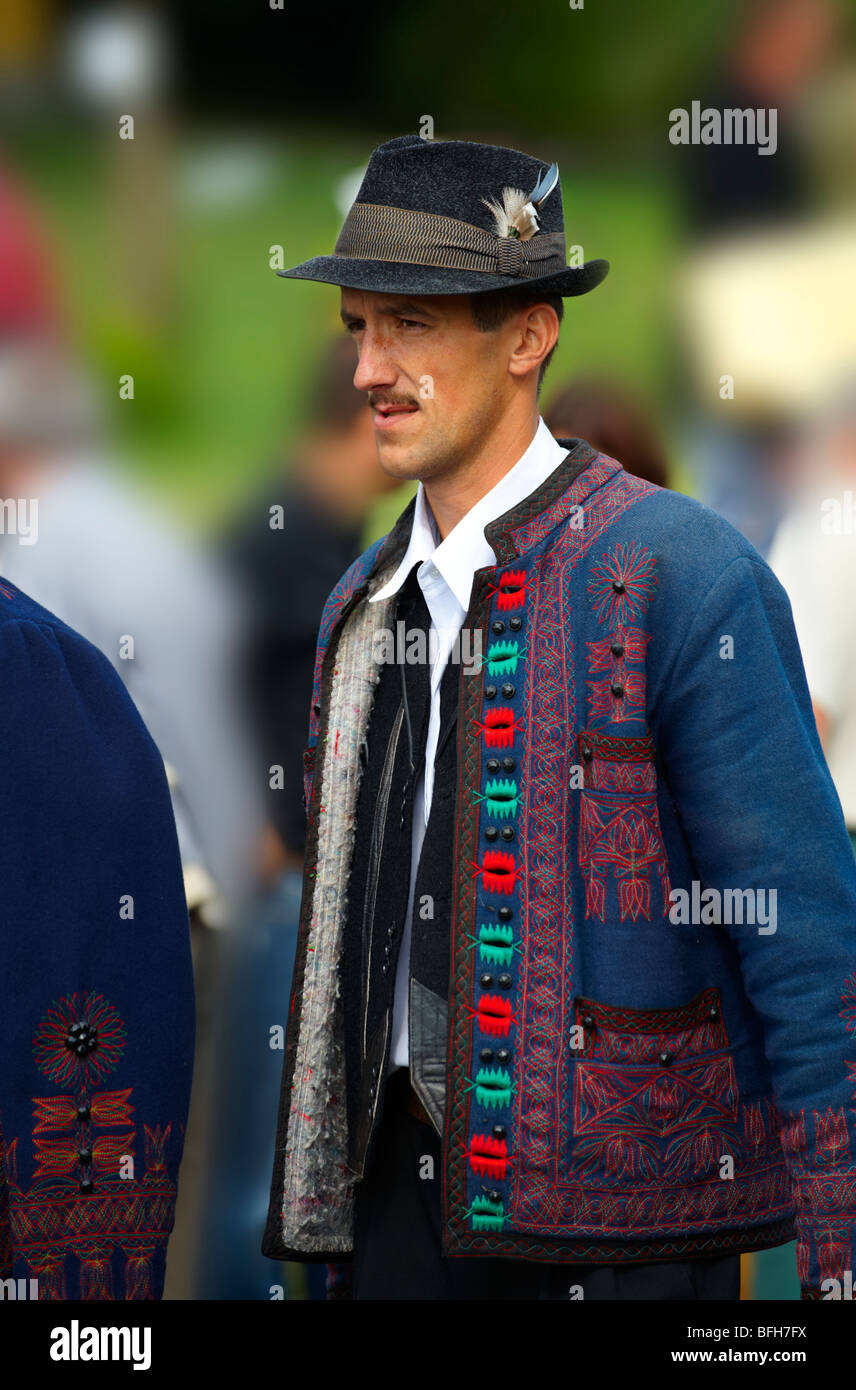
{"points": [[411, 323]]}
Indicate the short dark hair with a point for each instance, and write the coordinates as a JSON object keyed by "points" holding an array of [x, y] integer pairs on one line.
{"points": [[491, 308]]}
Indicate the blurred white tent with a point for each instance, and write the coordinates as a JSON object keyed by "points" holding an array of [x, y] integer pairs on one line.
{"points": [[777, 313]]}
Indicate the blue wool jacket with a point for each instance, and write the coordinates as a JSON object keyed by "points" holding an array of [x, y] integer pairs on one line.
{"points": [[670, 938], [96, 991]]}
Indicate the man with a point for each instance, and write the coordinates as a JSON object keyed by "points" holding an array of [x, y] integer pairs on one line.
{"points": [[615, 982]]}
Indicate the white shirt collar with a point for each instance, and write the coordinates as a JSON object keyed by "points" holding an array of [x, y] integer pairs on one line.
{"points": [[465, 549]]}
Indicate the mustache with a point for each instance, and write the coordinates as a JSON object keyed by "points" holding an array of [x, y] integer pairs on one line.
{"points": [[376, 401]]}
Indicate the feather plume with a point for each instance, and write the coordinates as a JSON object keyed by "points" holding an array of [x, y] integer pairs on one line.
{"points": [[514, 216], [545, 185]]}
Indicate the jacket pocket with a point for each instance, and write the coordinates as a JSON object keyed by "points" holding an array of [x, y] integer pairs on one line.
{"points": [[620, 838], [655, 1091]]}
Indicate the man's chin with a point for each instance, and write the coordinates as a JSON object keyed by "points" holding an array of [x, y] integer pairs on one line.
{"points": [[411, 458], [398, 462], [399, 459]]}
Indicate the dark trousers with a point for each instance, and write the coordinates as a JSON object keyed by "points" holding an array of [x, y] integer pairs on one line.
{"points": [[397, 1250]]}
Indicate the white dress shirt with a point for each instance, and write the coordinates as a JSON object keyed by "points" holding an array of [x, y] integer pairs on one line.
{"points": [[445, 576]]}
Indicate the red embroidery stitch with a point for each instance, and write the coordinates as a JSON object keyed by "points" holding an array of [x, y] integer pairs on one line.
{"points": [[499, 727], [494, 1015], [78, 1204], [488, 1156], [622, 582], [499, 871], [626, 837], [510, 590]]}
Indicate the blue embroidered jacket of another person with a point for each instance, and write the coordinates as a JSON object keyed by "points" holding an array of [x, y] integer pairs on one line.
{"points": [[96, 988], [670, 936]]}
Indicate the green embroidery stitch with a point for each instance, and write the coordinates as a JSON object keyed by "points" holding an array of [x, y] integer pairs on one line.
{"points": [[493, 1087], [496, 943], [501, 796], [487, 1213], [502, 658]]}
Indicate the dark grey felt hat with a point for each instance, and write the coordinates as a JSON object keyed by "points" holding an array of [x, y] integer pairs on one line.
{"points": [[420, 224]]}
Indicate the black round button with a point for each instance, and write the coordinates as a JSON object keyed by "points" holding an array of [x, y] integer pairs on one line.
{"points": [[85, 1185], [486, 1055], [515, 624], [84, 1156], [498, 626], [387, 950], [587, 753], [81, 1039], [385, 968], [713, 1013], [490, 692], [508, 690], [617, 689], [507, 832], [504, 982], [617, 649], [494, 1195], [492, 764], [509, 764], [498, 1131], [588, 1021], [376, 1071], [390, 931], [665, 1059], [491, 832], [504, 914], [486, 981], [618, 585], [503, 1057], [83, 1114]]}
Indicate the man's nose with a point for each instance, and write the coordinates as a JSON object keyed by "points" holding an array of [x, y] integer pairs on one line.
{"points": [[375, 367]]}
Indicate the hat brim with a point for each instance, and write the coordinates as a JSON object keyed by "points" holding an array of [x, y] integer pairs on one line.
{"points": [[389, 277]]}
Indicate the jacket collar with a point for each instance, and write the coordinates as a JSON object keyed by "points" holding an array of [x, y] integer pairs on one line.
{"points": [[456, 557], [518, 530]]}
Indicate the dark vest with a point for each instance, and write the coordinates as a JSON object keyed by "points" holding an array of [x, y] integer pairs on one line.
{"points": [[379, 885]]}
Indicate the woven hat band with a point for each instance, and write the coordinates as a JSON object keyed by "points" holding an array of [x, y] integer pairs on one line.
{"points": [[377, 232]]}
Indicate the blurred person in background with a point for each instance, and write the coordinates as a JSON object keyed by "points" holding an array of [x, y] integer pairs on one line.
{"points": [[113, 565], [109, 562], [612, 420], [97, 986], [814, 556], [298, 536], [776, 58]]}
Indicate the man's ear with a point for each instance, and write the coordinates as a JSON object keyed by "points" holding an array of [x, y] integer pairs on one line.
{"points": [[538, 335]]}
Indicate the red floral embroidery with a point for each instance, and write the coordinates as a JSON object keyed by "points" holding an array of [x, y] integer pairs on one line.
{"points": [[628, 839], [832, 1137], [79, 1040], [622, 582]]}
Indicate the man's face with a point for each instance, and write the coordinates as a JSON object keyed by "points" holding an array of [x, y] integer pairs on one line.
{"points": [[437, 386]]}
